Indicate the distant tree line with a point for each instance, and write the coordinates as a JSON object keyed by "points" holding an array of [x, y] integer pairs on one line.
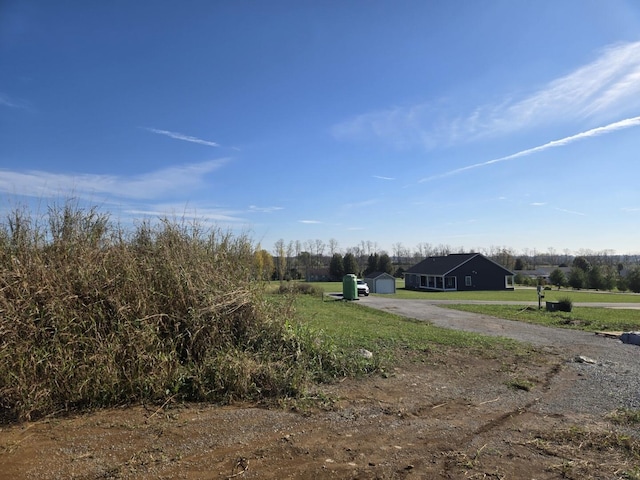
{"points": [[317, 260], [585, 274]]}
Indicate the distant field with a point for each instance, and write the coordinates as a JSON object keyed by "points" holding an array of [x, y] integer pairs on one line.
{"points": [[522, 294]]}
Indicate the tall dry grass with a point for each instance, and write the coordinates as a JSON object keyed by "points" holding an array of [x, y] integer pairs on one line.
{"points": [[92, 315]]}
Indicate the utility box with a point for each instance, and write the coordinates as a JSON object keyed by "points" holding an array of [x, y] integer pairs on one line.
{"points": [[350, 287], [552, 306], [632, 338]]}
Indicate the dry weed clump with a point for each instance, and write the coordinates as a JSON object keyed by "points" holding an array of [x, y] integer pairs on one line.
{"points": [[91, 315]]}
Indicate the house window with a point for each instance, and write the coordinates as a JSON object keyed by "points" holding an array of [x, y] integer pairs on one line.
{"points": [[423, 281], [450, 283], [467, 281]]}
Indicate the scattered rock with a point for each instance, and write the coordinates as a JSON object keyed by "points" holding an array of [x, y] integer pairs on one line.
{"points": [[364, 353], [583, 359]]}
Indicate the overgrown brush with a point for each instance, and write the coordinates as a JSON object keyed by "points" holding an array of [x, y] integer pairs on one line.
{"points": [[300, 288], [92, 316]]}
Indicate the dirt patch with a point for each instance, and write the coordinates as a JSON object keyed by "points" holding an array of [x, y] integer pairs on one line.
{"points": [[444, 414]]}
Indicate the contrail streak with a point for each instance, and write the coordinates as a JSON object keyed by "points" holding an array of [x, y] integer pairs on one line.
{"points": [[182, 136], [594, 132]]}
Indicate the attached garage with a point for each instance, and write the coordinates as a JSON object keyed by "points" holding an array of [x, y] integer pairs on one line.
{"points": [[381, 282]]}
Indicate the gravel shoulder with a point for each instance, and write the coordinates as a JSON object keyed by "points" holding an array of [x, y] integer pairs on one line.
{"points": [[613, 381]]}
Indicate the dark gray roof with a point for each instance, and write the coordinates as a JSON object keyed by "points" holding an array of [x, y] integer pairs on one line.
{"points": [[377, 274], [444, 265], [441, 265]]}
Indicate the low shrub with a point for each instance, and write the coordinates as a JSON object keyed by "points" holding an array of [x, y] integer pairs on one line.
{"points": [[565, 304]]}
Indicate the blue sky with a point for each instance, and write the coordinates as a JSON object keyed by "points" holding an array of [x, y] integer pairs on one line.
{"points": [[470, 123]]}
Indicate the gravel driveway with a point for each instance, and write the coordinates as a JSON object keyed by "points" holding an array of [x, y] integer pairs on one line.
{"points": [[612, 381]]}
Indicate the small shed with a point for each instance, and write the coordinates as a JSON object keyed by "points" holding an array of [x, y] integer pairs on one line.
{"points": [[380, 282]]}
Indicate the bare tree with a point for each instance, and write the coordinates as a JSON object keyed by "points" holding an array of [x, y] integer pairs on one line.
{"points": [[333, 246], [398, 250], [442, 250], [290, 255], [281, 264], [359, 255], [423, 250], [308, 247], [319, 247]]}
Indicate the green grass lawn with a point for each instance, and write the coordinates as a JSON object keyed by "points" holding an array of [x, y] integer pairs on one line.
{"points": [[374, 327], [583, 318], [520, 294], [353, 325]]}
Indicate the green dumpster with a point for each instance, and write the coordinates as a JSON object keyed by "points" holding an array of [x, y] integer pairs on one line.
{"points": [[350, 287]]}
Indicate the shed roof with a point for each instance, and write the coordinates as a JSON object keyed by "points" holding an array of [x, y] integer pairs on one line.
{"points": [[378, 274]]}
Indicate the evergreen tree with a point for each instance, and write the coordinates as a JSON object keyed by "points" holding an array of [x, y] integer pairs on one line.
{"points": [[372, 264], [595, 278], [582, 263], [633, 279], [336, 267], [558, 278], [384, 264], [577, 278], [350, 264]]}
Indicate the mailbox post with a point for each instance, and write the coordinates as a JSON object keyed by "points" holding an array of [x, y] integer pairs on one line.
{"points": [[540, 296]]}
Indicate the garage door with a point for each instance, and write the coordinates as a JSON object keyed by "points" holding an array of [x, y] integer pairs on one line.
{"points": [[385, 285]]}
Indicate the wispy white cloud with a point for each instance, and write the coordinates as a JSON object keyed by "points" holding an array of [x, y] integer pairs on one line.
{"points": [[200, 213], [6, 101], [152, 185], [310, 222], [604, 89], [181, 136], [379, 177], [572, 212], [130, 198], [402, 127], [256, 209], [611, 83], [594, 132], [538, 204], [362, 204]]}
